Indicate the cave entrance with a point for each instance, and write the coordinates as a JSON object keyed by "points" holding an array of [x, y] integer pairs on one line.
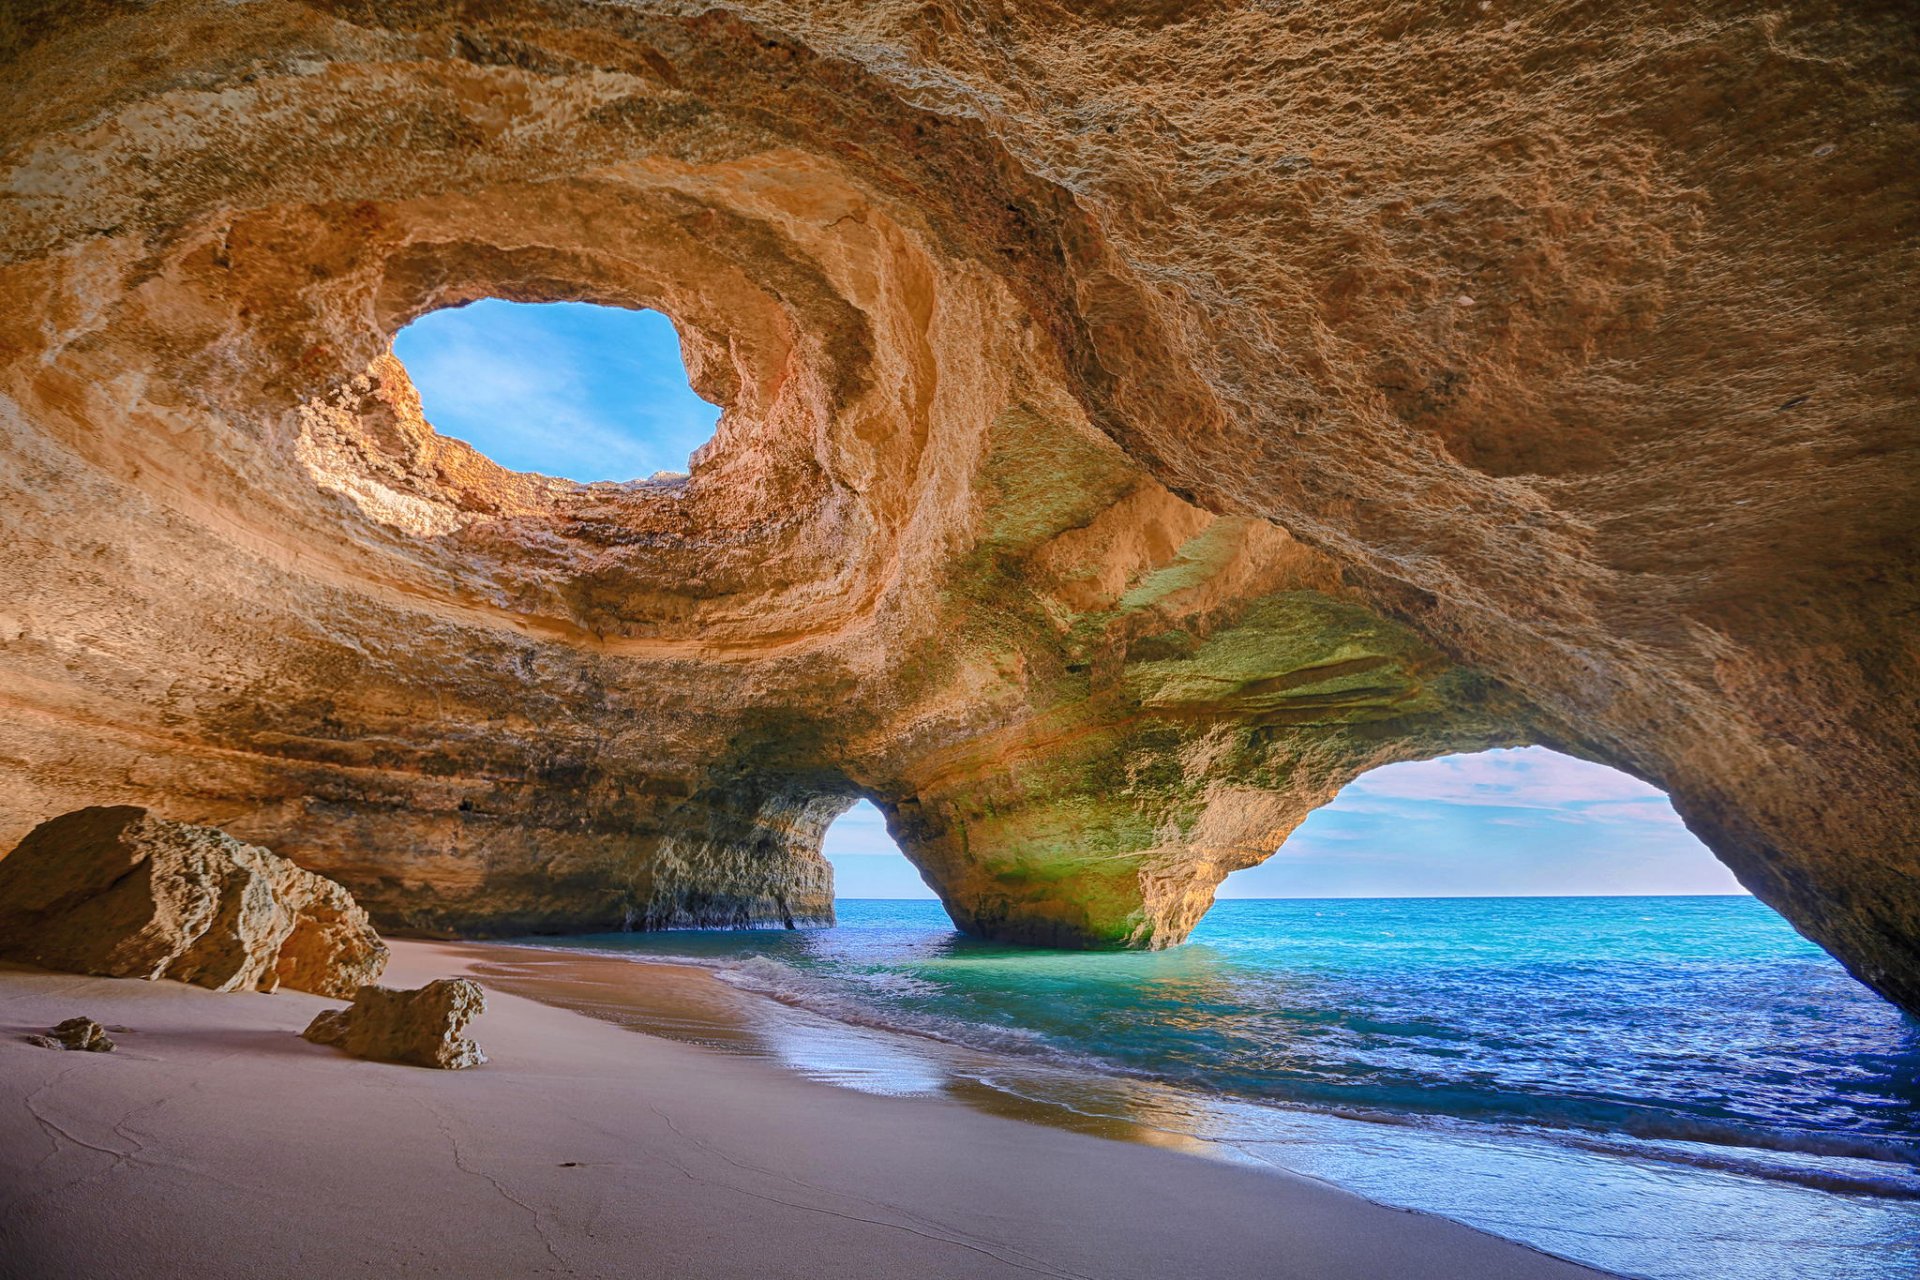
{"points": [[1523, 822], [867, 864], [566, 389]]}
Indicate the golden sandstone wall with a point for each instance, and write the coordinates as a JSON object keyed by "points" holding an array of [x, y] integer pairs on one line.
{"points": [[1140, 420]]}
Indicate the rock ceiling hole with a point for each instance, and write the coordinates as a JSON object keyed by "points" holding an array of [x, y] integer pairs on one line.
{"points": [[866, 861], [1524, 822], [565, 389]]}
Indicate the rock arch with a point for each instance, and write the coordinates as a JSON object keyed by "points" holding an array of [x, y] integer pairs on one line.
{"points": [[1127, 441]]}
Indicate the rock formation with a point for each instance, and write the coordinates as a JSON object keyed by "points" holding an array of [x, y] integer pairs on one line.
{"points": [[82, 1034], [119, 892], [1140, 420], [423, 1028]]}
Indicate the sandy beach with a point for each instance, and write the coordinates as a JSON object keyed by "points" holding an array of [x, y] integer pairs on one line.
{"points": [[216, 1142]]}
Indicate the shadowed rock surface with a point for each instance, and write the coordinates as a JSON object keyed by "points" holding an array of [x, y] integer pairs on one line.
{"points": [[83, 1034], [75, 1033], [119, 892], [1139, 422], [422, 1028]]}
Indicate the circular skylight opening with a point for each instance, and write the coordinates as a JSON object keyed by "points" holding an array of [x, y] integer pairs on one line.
{"points": [[566, 389]]}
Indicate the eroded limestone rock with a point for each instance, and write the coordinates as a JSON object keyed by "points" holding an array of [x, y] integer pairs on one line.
{"points": [[423, 1028], [75, 1033], [83, 1034], [1140, 420], [119, 892]]}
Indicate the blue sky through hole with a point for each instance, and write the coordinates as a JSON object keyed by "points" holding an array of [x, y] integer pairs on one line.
{"points": [[563, 388], [1523, 822], [599, 393]]}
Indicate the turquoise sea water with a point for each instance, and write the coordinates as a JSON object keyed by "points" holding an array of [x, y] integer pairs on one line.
{"points": [[1671, 1087]]}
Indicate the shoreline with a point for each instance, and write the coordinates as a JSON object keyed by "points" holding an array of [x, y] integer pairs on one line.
{"points": [[1613, 1201], [730, 1027], [217, 1142], [732, 1031]]}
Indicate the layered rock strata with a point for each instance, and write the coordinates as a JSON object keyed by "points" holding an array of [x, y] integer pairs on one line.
{"points": [[119, 892], [1139, 421], [425, 1027]]}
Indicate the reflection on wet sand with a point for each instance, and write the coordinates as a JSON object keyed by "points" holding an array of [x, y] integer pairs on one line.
{"points": [[688, 1004]]}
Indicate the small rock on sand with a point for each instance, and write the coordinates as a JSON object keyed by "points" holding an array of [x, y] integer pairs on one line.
{"points": [[75, 1033]]}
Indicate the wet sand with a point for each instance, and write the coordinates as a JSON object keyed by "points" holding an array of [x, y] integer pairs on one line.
{"points": [[687, 1003], [217, 1143]]}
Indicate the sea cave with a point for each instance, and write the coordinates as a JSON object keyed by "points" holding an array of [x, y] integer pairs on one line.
{"points": [[1105, 433]]}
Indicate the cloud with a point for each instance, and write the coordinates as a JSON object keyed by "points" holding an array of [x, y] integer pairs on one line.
{"points": [[1525, 778], [1657, 812], [1526, 821], [566, 389], [860, 832]]}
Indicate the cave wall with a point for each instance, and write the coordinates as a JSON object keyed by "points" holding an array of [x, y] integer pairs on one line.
{"points": [[1140, 421]]}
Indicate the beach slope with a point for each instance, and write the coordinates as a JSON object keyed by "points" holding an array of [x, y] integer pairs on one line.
{"points": [[218, 1143]]}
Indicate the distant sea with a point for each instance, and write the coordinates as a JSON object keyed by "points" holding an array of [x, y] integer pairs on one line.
{"points": [[1679, 1088]]}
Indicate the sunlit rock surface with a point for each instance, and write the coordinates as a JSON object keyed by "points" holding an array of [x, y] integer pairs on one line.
{"points": [[1139, 422], [119, 892], [425, 1027]]}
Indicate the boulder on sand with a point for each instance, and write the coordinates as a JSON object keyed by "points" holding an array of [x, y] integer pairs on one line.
{"points": [[424, 1027]]}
